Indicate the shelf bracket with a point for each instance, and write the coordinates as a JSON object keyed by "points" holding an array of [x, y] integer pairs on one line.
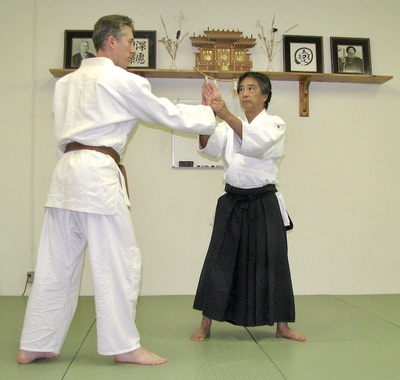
{"points": [[304, 101]]}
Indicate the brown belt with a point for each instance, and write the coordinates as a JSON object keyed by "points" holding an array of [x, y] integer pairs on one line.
{"points": [[102, 149]]}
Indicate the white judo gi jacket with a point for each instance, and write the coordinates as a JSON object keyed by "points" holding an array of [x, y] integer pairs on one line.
{"points": [[114, 101]]}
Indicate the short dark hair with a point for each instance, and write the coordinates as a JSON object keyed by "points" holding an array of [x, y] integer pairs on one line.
{"points": [[111, 25], [350, 47], [263, 81]]}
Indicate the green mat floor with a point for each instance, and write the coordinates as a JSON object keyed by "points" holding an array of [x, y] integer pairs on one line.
{"points": [[349, 337]]}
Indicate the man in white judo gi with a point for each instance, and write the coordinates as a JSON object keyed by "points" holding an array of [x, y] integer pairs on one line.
{"points": [[96, 109]]}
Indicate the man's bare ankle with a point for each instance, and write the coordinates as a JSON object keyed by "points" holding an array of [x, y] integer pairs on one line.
{"points": [[26, 357], [206, 322]]}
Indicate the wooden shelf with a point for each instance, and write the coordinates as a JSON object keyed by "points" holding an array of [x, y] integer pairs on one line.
{"points": [[303, 78]]}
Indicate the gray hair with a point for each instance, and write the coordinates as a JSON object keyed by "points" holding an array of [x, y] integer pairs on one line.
{"points": [[111, 25]]}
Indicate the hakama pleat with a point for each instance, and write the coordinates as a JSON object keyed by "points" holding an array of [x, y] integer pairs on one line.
{"points": [[246, 278]]}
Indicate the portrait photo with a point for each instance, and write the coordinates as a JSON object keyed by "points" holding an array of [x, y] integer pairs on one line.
{"points": [[350, 55], [81, 49], [78, 45]]}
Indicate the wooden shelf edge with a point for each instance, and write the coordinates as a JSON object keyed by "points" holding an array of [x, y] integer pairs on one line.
{"points": [[303, 78], [273, 75]]}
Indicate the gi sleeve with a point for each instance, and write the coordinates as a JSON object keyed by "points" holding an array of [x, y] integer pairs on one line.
{"points": [[264, 137], [216, 143], [135, 94]]}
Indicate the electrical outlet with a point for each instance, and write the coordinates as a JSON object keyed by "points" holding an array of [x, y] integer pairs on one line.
{"points": [[31, 277]]}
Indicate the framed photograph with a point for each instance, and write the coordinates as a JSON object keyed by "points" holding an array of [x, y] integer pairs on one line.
{"points": [[78, 45], [145, 43], [350, 55], [303, 54]]}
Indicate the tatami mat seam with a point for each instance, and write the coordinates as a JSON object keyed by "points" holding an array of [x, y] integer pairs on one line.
{"points": [[264, 352], [78, 350], [367, 311]]}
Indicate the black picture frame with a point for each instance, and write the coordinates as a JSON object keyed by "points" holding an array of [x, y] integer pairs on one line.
{"points": [[72, 42], [145, 42], [145, 57], [360, 60], [303, 54]]}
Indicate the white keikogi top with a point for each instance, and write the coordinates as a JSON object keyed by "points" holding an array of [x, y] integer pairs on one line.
{"points": [[252, 161], [99, 105]]}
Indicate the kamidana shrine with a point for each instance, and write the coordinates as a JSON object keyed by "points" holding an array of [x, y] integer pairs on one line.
{"points": [[223, 50]]}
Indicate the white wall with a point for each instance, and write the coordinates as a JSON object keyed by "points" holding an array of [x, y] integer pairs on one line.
{"points": [[339, 177]]}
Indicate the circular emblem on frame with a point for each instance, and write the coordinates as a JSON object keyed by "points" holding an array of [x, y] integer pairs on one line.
{"points": [[303, 56]]}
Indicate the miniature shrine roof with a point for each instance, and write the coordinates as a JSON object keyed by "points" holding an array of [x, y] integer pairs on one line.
{"points": [[212, 36]]}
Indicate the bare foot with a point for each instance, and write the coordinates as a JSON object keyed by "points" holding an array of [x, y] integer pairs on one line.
{"points": [[204, 331], [26, 357], [140, 356], [284, 331]]}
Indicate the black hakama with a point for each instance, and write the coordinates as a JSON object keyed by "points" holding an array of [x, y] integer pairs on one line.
{"points": [[245, 278]]}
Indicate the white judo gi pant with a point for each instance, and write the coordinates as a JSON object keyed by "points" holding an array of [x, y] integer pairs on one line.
{"points": [[116, 273]]}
